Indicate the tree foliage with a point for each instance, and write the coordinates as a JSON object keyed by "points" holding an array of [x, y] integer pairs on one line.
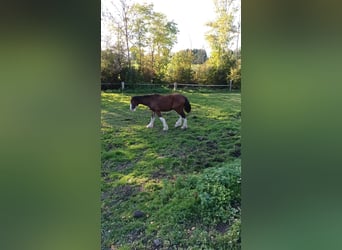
{"points": [[179, 69], [221, 33], [141, 40], [222, 29], [199, 56], [111, 66], [235, 75], [143, 37]]}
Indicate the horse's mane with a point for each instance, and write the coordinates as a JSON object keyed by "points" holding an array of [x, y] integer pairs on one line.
{"points": [[145, 96]]}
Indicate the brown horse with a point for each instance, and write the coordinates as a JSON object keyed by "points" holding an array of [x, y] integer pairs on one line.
{"points": [[158, 103]]}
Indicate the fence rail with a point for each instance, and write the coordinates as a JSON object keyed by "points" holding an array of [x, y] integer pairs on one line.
{"points": [[123, 85]]}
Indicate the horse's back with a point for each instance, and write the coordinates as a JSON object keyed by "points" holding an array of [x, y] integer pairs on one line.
{"points": [[178, 96]]}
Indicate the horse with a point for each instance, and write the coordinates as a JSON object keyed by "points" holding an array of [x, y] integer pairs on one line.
{"points": [[158, 103]]}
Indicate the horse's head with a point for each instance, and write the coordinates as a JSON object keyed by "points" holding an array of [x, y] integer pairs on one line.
{"points": [[134, 104]]}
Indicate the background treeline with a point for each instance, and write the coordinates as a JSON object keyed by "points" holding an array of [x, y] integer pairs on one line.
{"points": [[139, 46]]}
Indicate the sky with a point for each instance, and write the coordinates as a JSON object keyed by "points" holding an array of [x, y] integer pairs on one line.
{"points": [[190, 16]]}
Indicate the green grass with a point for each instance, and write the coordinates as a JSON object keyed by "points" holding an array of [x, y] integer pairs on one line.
{"points": [[186, 182]]}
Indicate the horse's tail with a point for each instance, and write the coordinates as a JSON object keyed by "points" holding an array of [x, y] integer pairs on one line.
{"points": [[187, 106]]}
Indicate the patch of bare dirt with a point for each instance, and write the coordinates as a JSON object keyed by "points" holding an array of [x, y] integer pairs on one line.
{"points": [[222, 227]]}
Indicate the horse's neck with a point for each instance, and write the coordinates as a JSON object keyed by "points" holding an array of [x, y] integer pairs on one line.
{"points": [[145, 100]]}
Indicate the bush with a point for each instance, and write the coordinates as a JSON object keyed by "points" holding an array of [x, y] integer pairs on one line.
{"points": [[235, 75], [219, 193], [211, 197]]}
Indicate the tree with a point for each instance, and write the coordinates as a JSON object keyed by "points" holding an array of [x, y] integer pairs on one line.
{"points": [[124, 18], [119, 21], [222, 29], [111, 66], [116, 15], [235, 75], [144, 37], [200, 56], [141, 21], [179, 69], [162, 37], [153, 37], [221, 33]]}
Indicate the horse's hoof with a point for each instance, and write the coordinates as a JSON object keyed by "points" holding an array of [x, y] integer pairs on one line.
{"points": [[184, 128]]}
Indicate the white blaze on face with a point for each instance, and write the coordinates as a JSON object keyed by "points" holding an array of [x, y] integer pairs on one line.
{"points": [[130, 107], [165, 127]]}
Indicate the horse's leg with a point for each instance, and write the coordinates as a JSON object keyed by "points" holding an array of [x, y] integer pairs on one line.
{"points": [[185, 123], [178, 122], [165, 127], [181, 116], [151, 124]]}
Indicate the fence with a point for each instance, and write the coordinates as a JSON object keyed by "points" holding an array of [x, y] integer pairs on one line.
{"points": [[174, 86]]}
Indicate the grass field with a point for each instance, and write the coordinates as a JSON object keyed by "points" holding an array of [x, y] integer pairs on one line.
{"points": [[178, 189]]}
